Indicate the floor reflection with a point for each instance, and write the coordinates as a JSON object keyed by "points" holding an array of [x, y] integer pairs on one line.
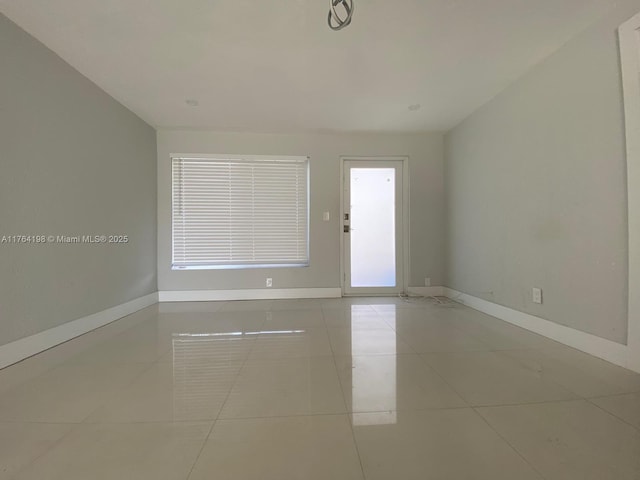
{"points": [[373, 377], [205, 366]]}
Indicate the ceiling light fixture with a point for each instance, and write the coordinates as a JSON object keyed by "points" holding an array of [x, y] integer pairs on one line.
{"points": [[340, 13]]}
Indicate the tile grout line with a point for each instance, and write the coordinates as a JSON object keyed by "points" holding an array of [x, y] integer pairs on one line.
{"points": [[336, 414], [472, 406], [524, 404], [344, 399], [513, 448], [75, 427], [612, 414], [557, 382], [521, 365], [204, 443], [213, 424], [631, 392], [541, 375], [237, 379], [439, 375], [118, 391]]}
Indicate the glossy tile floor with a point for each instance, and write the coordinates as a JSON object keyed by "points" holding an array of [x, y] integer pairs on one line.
{"points": [[317, 389]]}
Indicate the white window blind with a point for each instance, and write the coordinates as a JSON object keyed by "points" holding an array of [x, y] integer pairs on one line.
{"points": [[240, 212]]}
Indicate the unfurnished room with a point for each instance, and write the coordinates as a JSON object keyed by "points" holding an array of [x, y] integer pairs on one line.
{"points": [[320, 239]]}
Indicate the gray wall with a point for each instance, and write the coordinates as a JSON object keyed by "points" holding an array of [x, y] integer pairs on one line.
{"points": [[536, 190], [73, 161], [427, 223]]}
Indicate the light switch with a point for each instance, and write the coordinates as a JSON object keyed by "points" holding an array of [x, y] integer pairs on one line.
{"points": [[326, 216]]}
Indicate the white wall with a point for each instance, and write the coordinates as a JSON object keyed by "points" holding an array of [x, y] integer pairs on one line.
{"points": [[426, 187], [73, 161], [536, 189]]}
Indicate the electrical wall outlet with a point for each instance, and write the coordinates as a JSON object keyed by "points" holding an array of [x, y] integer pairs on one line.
{"points": [[427, 282], [537, 295], [269, 282]]}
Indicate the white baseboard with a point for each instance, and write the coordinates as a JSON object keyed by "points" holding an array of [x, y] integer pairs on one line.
{"points": [[633, 355], [426, 291], [26, 347], [249, 294], [598, 347]]}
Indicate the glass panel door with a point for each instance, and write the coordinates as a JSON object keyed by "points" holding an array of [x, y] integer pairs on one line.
{"points": [[373, 216]]}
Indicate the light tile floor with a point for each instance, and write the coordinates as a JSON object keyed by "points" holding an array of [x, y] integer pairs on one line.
{"points": [[377, 388]]}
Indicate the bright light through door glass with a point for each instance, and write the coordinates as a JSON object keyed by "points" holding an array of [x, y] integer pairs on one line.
{"points": [[373, 231], [373, 378]]}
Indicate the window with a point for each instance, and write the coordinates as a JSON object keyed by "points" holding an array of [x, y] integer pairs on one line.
{"points": [[240, 212]]}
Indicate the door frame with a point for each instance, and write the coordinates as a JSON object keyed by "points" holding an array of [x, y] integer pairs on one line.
{"points": [[629, 42], [405, 217]]}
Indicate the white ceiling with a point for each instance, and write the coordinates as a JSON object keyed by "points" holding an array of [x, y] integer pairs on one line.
{"points": [[274, 65]]}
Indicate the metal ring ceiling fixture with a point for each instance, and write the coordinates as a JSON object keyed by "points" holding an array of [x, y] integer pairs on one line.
{"points": [[338, 20]]}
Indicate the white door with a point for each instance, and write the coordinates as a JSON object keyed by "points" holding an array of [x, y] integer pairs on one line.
{"points": [[372, 227]]}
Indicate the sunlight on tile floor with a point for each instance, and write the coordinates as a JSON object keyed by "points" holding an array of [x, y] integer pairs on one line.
{"points": [[378, 388]]}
